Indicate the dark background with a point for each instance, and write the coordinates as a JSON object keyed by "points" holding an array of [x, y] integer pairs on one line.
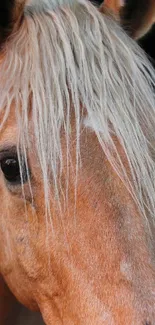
{"points": [[148, 44]]}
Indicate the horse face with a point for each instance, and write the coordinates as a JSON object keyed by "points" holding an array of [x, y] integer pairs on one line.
{"points": [[12, 194], [90, 261], [28, 246], [79, 252]]}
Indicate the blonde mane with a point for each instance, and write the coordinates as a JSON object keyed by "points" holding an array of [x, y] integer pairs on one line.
{"points": [[65, 54]]}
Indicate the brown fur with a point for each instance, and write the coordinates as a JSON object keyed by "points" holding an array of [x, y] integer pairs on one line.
{"points": [[83, 279], [111, 7], [73, 274]]}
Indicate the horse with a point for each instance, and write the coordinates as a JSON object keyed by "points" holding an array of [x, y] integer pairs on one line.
{"points": [[77, 166]]}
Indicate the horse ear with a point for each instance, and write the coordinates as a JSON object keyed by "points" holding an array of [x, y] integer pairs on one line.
{"points": [[112, 7], [137, 17], [10, 13]]}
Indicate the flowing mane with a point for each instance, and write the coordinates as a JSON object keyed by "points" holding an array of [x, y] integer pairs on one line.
{"points": [[67, 58]]}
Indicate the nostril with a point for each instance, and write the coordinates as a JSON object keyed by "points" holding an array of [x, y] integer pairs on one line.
{"points": [[147, 323]]}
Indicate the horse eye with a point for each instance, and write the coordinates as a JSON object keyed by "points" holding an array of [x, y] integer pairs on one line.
{"points": [[13, 173]]}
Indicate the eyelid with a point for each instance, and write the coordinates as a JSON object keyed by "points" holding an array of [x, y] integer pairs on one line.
{"points": [[8, 152]]}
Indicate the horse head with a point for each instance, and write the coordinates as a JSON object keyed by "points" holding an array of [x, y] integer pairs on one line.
{"points": [[77, 120]]}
